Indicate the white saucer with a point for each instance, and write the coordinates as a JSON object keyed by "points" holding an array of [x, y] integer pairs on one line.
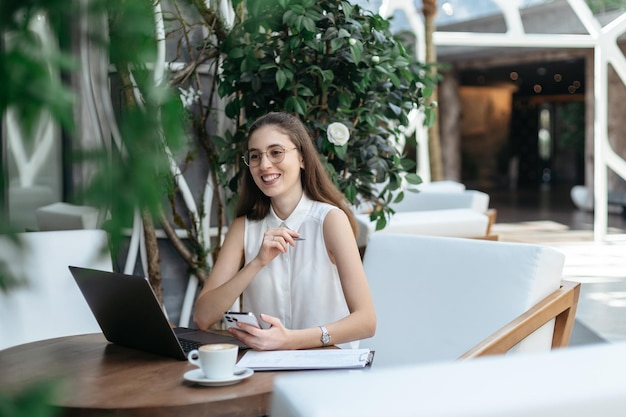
{"points": [[196, 376]]}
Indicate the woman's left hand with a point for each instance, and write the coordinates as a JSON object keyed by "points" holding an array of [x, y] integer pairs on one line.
{"points": [[273, 338]]}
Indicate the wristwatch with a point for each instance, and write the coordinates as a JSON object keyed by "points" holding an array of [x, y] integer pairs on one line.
{"points": [[325, 339]]}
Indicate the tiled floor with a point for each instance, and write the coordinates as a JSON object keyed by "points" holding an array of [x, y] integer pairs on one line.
{"points": [[549, 217]]}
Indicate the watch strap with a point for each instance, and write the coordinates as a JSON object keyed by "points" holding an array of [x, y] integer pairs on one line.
{"points": [[325, 339]]}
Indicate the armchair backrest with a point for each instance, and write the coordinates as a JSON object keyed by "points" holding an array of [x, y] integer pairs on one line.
{"points": [[437, 297], [442, 200], [50, 305], [578, 382]]}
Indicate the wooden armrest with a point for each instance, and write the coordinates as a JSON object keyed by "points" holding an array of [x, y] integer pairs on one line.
{"points": [[487, 237], [491, 214], [560, 305]]}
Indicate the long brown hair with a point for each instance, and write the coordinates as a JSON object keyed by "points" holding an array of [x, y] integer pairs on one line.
{"points": [[316, 182]]}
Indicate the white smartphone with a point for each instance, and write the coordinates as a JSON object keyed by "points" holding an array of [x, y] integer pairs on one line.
{"points": [[231, 318]]}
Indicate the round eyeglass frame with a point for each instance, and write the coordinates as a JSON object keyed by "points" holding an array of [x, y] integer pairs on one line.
{"points": [[246, 156]]}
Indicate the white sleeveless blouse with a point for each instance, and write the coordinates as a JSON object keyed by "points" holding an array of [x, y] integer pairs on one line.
{"points": [[300, 287]]}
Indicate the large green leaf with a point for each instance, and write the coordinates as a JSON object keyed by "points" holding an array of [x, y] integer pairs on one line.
{"points": [[281, 78]]}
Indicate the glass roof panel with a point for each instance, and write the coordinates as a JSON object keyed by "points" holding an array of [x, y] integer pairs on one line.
{"points": [[603, 6], [453, 14], [454, 11], [528, 3], [373, 5]]}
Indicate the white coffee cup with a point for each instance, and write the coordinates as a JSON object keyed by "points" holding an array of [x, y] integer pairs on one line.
{"points": [[217, 360]]}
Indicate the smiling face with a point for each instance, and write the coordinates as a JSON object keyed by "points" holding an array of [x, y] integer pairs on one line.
{"points": [[280, 179]]}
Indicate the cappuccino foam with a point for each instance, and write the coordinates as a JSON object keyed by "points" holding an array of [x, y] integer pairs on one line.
{"points": [[217, 346]]}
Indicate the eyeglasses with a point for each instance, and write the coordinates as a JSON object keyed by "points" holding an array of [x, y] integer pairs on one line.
{"points": [[275, 154]]}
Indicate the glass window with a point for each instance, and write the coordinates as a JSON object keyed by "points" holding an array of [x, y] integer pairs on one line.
{"points": [[32, 165], [33, 170]]}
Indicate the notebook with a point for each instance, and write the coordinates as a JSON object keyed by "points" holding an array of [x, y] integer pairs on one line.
{"points": [[282, 360], [129, 314]]}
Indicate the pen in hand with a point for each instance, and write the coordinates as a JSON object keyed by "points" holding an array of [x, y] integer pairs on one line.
{"points": [[283, 224]]}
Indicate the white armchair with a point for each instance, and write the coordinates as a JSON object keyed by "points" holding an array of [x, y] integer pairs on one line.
{"points": [[439, 298], [442, 208], [50, 305], [442, 299]]}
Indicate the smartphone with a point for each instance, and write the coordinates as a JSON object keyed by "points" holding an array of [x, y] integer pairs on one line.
{"points": [[231, 318]]}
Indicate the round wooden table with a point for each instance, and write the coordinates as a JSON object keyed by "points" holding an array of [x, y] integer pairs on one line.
{"points": [[97, 378]]}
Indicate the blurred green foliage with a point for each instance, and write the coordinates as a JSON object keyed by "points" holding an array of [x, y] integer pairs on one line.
{"points": [[31, 82], [28, 69], [33, 401], [571, 117]]}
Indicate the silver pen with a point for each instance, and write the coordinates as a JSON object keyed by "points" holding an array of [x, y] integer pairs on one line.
{"points": [[283, 224]]}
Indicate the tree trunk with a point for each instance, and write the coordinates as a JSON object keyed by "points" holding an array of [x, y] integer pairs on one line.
{"points": [[152, 250], [429, 8]]}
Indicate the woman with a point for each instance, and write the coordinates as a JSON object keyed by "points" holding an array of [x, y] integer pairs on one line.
{"points": [[291, 252]]}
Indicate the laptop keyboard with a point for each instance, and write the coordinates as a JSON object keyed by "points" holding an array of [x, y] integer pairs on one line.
{"points": [[189, 345]]}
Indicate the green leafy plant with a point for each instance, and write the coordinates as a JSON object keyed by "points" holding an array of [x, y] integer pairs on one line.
{"points": [[572, 126], [328, 62]]}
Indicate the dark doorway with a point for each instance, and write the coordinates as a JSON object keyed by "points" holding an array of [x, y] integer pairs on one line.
{"points": [[545, 143]]}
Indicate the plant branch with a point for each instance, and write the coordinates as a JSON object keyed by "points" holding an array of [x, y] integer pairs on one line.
{"points": [[152, 249], [182, 250]]}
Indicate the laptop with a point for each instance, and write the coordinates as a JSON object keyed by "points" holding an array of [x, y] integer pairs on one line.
{"points": [[129, 314]]}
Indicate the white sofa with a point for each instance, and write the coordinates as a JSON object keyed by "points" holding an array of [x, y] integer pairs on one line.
{"points": [[50, 304], [575, 382]]}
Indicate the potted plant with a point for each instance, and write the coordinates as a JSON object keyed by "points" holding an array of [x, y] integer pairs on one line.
{"points": [[336, 65], [339, 68]]}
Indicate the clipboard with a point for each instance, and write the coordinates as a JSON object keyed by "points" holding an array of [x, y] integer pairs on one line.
{"points": [[311, 359]]}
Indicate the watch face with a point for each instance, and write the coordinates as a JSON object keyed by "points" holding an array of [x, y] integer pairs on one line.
{"points": [[326, 338]]}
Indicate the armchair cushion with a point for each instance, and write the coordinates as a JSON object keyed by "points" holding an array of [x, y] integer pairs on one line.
{"points": [[442, 186], [459, 222], [441, 200]]}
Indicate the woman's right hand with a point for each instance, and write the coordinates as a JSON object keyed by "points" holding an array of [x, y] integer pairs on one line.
{"points": [[275, 242]]}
